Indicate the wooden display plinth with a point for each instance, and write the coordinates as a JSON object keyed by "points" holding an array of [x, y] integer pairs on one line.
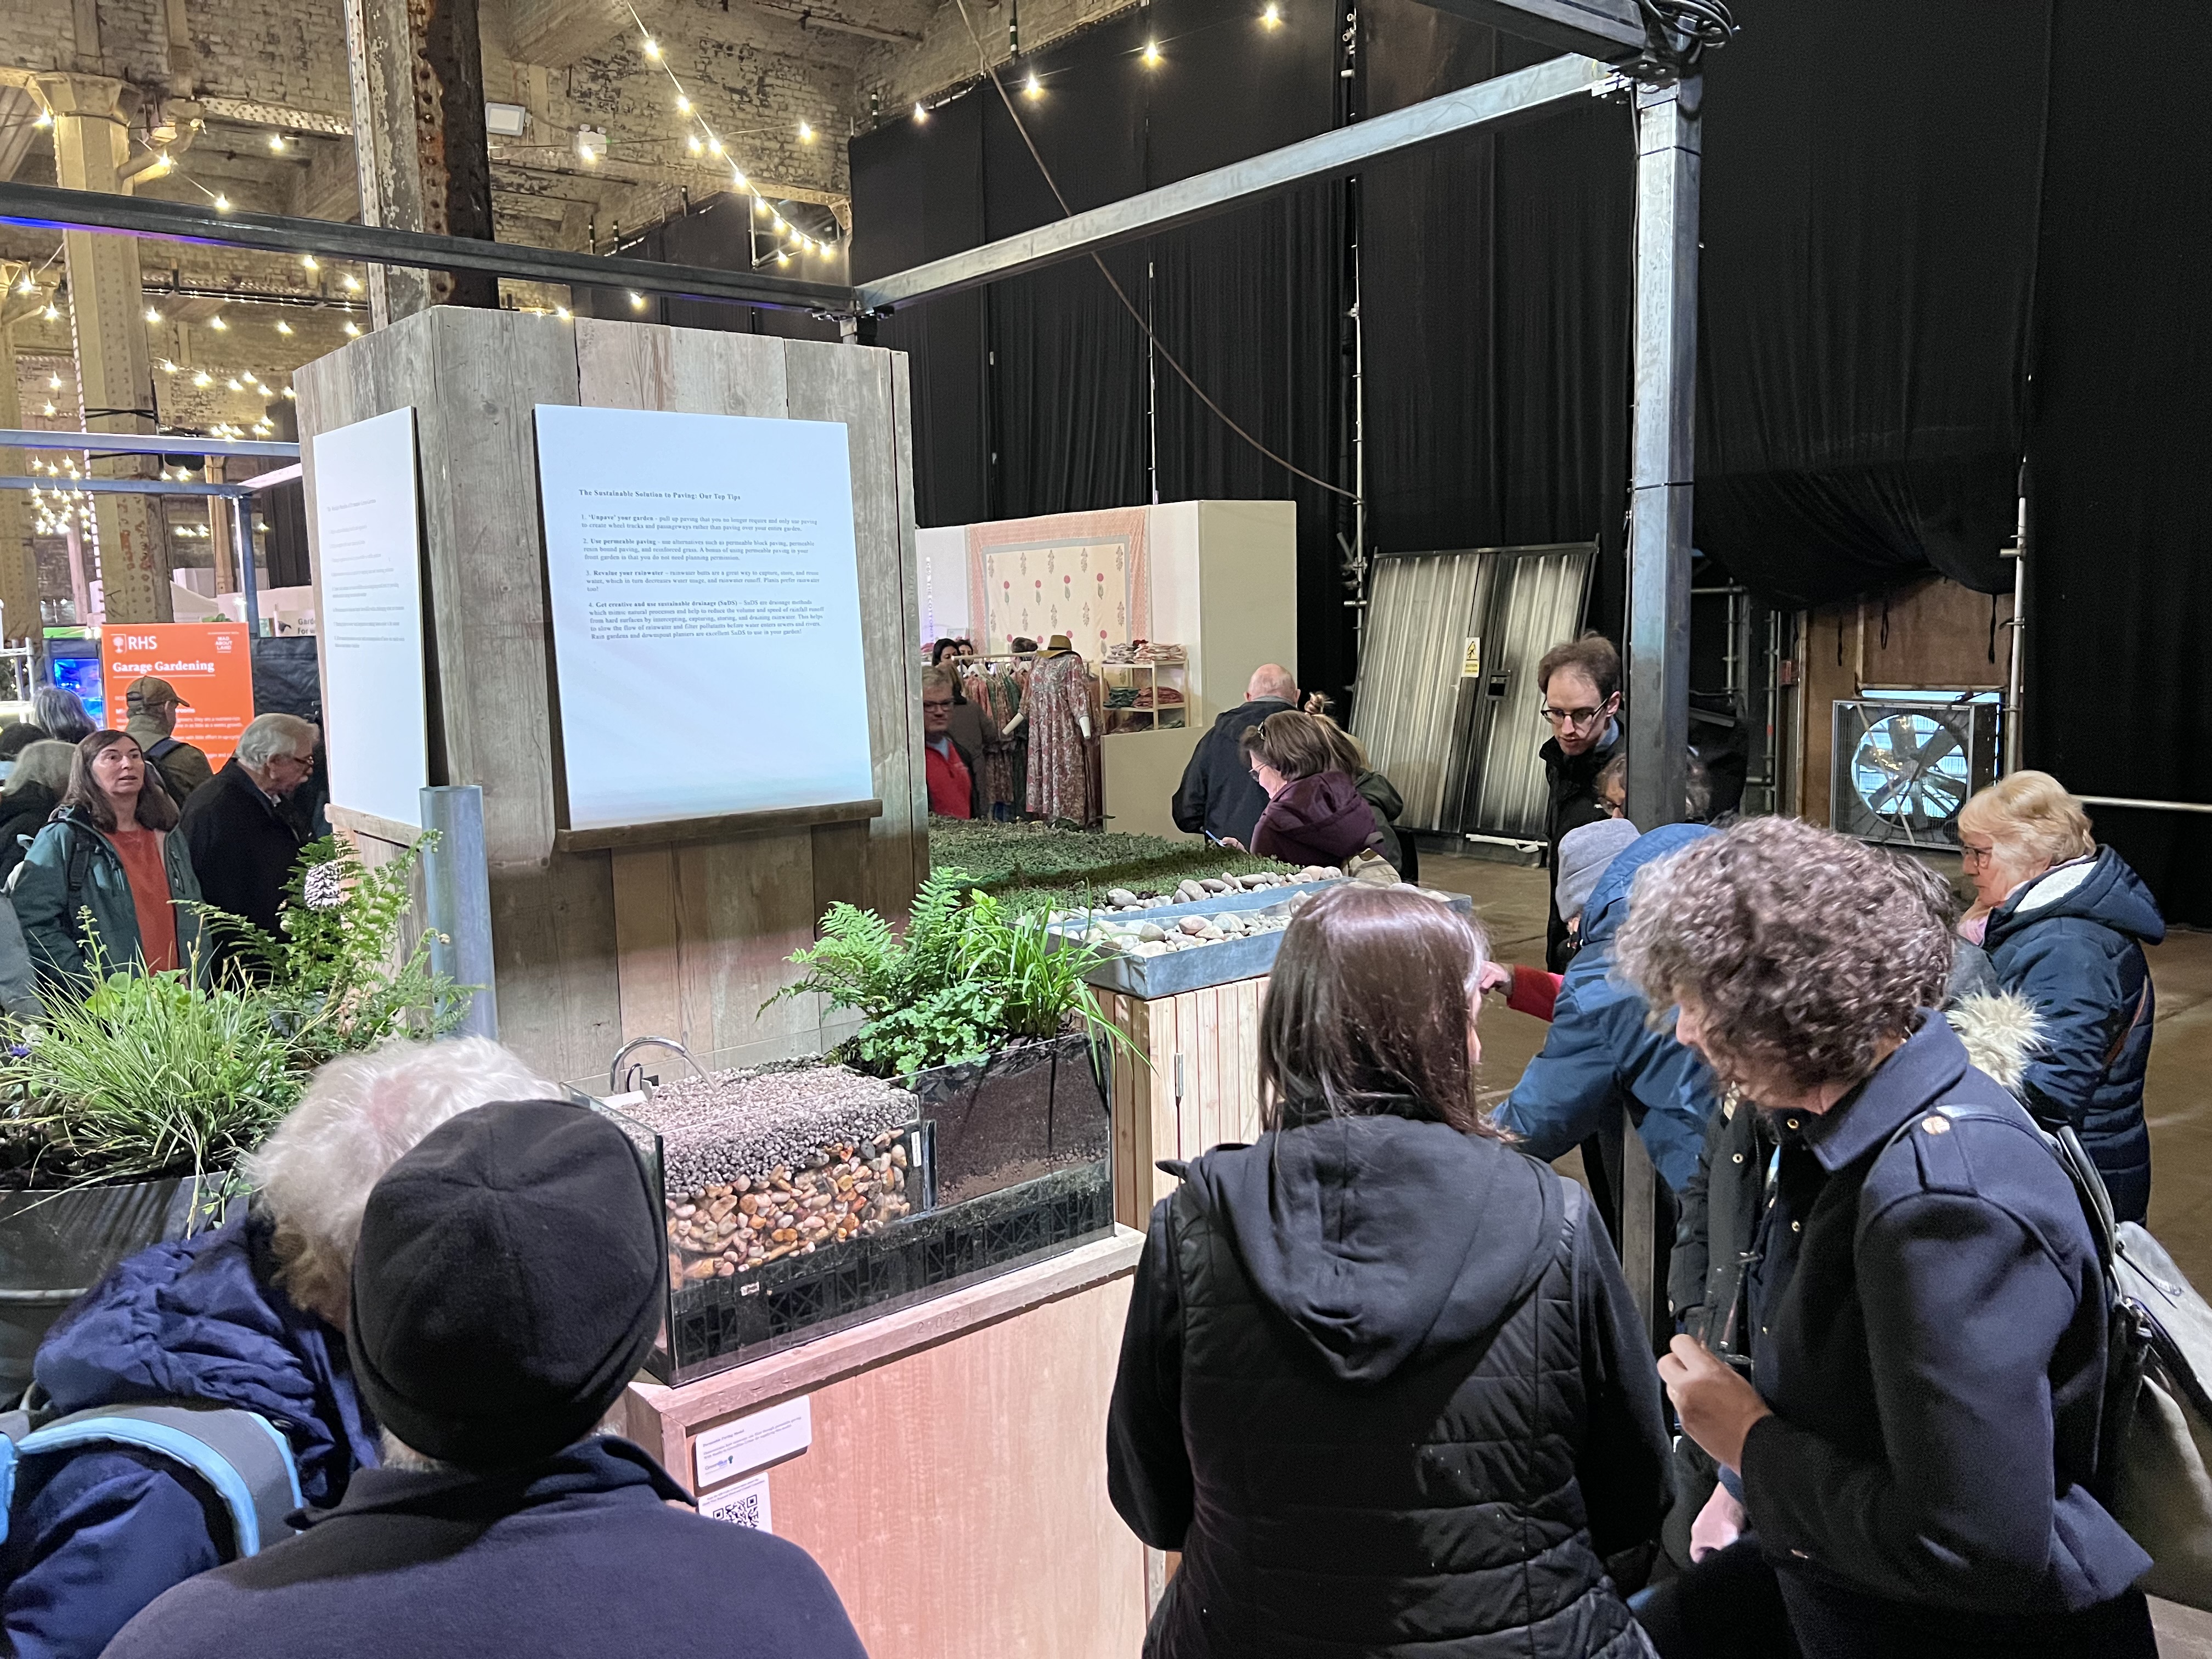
{"points": [[1197, 1086], [955, 1486]]}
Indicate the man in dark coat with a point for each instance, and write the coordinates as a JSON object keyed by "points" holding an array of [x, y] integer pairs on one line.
{"points": [[1218, 795], [243, 846], [500, 1522], [1580, 685]]}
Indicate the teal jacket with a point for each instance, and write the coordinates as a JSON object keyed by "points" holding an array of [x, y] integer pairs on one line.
{"points": [[71, 868]]}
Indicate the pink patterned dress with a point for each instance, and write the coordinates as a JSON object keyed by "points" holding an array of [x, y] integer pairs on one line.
{"points": [[1059, 772]]}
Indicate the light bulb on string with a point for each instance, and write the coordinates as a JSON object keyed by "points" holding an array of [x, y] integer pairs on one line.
{"points": [[696, 147], [202, 379], [350, 283], [805, 133], [53, 314], [714, 147], [652, 49], [45, 119], [27, 286], [307, 262], [561, 312], [637, 301], [352, 327], [289, 394], [1151, 54], [152, 315], [218, 324], [283, 327], [1272, 17], [919, 113], [53, 383], [1033, 88], [276, 142], [233, 385], [222, 203], [682, 105]]}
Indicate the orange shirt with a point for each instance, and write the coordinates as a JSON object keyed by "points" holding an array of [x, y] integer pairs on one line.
{"points": [[141, 852]]}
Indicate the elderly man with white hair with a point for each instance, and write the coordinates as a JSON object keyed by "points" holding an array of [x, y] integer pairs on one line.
{"points": [[243, 846], [249, 1315]]}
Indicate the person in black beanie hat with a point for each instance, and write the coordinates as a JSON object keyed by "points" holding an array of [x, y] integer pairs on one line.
{"points": [[509, 1282]]}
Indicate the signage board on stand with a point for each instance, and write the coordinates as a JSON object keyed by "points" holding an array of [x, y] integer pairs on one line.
{"points": [[368, 542], [210, 664], [706, 616]]}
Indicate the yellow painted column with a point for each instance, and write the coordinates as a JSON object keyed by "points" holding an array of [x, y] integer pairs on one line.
{"points": [[115, 369]]}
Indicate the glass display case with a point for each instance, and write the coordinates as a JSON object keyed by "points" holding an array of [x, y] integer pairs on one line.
{"points": [[801, 1199]]}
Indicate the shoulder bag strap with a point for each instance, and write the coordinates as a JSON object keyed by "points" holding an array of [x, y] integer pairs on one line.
{"points": [[2135, 1016], [238, 1454]]}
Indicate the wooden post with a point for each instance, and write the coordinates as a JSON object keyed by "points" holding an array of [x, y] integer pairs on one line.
{"points": [[417, 72]]}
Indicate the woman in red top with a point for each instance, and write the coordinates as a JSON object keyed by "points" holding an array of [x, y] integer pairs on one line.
{"points": [[108, 856]]}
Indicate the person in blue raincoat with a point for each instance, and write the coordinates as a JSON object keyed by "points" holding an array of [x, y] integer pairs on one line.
{"points": [[1602, 1054], [2065, 922], [249, 1314]]}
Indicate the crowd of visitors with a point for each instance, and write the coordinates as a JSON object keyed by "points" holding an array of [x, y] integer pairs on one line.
{"points": [[112, 842], [1382, 1385]]}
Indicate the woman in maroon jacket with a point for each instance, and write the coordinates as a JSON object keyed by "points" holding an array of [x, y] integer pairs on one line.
{"points": [[1314, 813]]}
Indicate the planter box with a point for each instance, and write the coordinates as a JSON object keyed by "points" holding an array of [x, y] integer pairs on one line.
{"points": [[1177, 972], [1029, 1137], [55, 1246]]}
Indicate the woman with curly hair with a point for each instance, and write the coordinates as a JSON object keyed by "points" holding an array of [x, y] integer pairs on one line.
{"points": [[1917, 1457]]}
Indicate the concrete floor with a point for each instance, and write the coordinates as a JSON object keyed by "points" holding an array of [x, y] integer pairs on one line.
{"points": [[1510, 904]]}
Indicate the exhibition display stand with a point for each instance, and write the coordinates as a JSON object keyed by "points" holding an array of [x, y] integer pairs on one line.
{"points": [[942, 1463], [1218, 578]]}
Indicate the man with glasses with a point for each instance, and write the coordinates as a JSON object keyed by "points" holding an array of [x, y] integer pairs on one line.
{"points": [[1580, 685], [956, 770], [243, 843]]}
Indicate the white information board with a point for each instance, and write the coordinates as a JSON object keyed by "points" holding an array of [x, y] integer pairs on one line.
{"points": [[368, 553], [706, 608]]}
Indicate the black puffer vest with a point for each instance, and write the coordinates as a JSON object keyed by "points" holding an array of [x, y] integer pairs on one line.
{"points": [[1434, 1514]]}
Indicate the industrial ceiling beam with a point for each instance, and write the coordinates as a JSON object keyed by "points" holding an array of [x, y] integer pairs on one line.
{"points": [[1329, 154], [123, 486], [1612, 30], [48, 207], [139, 443]]}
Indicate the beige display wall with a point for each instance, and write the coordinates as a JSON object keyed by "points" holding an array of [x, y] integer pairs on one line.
{"points": [[685, 940]]}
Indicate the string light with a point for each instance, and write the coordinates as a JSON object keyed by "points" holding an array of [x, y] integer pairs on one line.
{"points": [[350, 283], [805, 133], [919, 113], [222, 203], [27, 286], [307, 263], [1151, 54], [696, 147], [352, 327], [1033, 88], [218, 324], [1272, 17], [45, 119], [637, 302], [53, 383], [289, 394], [202, 379], [152, 315], [652, 49], [232, 384], [276, 142], [283, 327], [561, 312], [683, 104], [52, 313]]}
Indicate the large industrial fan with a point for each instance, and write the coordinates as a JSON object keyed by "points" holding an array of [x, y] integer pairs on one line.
{"points": [[1904, 766]]}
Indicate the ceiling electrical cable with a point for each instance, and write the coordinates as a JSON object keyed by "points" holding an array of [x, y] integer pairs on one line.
{"points": [[982, 56]]}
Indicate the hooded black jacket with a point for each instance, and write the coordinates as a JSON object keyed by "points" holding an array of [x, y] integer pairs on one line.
{"points": [[1382, 1385]]}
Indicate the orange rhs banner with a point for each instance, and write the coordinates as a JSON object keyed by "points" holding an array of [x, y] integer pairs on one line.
{"points": [[207, 663]]}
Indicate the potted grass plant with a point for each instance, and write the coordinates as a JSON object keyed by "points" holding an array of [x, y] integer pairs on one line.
{"points": [[125, 1113], [987, 1016]]}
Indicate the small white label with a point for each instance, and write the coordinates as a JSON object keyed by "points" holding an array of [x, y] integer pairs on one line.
{"points": [[744, 1504], [753, 1443]]}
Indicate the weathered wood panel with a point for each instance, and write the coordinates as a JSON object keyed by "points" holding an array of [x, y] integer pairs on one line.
{"points": [[978, 1417], [593, 946]]}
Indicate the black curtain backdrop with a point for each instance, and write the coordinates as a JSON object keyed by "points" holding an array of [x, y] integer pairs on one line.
{"points": [[1936, 240], [1496, 294], [2120, 441], [1038, 395], [1870, 186]]}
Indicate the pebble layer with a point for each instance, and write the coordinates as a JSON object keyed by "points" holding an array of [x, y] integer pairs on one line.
{"points": [[726, 1126], [837, 1193]]}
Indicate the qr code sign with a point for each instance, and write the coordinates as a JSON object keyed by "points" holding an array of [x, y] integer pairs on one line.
{"points": [[744, 1504]]}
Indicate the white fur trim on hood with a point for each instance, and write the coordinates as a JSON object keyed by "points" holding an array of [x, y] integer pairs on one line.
{"points": [[2001, 1032]]}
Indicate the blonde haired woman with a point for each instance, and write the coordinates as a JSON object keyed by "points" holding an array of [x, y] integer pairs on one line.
{"points": [[2065, 922]]}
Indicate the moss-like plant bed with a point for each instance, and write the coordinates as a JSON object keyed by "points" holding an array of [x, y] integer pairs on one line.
{"points": [[720, 1323], [1034, 867]]}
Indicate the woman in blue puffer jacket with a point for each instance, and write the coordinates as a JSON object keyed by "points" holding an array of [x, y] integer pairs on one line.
{"points": [[2065, 922]]}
